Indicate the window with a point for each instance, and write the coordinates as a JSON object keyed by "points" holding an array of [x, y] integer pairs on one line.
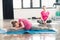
{"points": [[35, 3], [26, 3], [48, 3], [31, 4], [16, 3]]}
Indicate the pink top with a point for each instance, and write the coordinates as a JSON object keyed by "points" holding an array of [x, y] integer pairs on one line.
{"points": [[26, 23], [44, 15]]}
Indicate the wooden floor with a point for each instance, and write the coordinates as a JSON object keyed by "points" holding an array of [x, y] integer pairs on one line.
{"points": [[7, 24]]}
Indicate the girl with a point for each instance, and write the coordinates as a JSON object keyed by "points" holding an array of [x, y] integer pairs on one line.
{"points": [[44, 14], [22, 24]]}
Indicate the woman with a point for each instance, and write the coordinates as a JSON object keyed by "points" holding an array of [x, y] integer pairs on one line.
{"points": [[44, 14], [22, 23]]}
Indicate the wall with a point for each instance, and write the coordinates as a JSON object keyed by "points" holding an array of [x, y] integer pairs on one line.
{"points": [[1, 14], [28, 13], [1, 11]]}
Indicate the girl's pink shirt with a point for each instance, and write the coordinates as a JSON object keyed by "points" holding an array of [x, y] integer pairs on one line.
{"points": [[44, 15], [26, 22]]}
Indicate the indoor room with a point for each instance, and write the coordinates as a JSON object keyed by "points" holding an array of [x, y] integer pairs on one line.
{"points": [[29, 19]]}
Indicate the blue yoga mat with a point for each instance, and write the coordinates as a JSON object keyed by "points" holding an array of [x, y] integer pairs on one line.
{"points": [[45, 31], [2, 31]]}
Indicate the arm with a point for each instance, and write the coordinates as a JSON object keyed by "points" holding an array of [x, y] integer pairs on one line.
{"points": [[42, 15], [48, 16], [22, 25]]}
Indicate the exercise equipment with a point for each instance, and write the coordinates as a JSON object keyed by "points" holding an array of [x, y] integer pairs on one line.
{"points": [[39, 31]]}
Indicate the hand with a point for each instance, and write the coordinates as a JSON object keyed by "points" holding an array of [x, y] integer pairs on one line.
{"points": [[17, 29]]}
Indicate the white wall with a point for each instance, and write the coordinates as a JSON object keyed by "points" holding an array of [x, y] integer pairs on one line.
{"points": [[1, 14], [28, 13], [1, 11]]}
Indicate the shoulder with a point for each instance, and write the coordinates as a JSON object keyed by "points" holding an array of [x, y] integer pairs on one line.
{"points": [[48, 12], [42, 12]]}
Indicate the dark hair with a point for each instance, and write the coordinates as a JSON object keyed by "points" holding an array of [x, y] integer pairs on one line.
{"points": [[13, 23], [43, 6]]}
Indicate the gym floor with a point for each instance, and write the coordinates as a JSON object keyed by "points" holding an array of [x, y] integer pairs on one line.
{"points": [[6, 24]]}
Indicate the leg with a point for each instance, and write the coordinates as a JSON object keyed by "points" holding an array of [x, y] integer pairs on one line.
{"points": [[48, 21]]}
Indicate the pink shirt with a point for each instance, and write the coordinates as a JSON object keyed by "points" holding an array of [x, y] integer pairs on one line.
{"points": [[26, 23], [44, 15]]}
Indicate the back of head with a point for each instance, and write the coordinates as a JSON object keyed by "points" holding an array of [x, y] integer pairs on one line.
{"points": [[13, 23]]}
